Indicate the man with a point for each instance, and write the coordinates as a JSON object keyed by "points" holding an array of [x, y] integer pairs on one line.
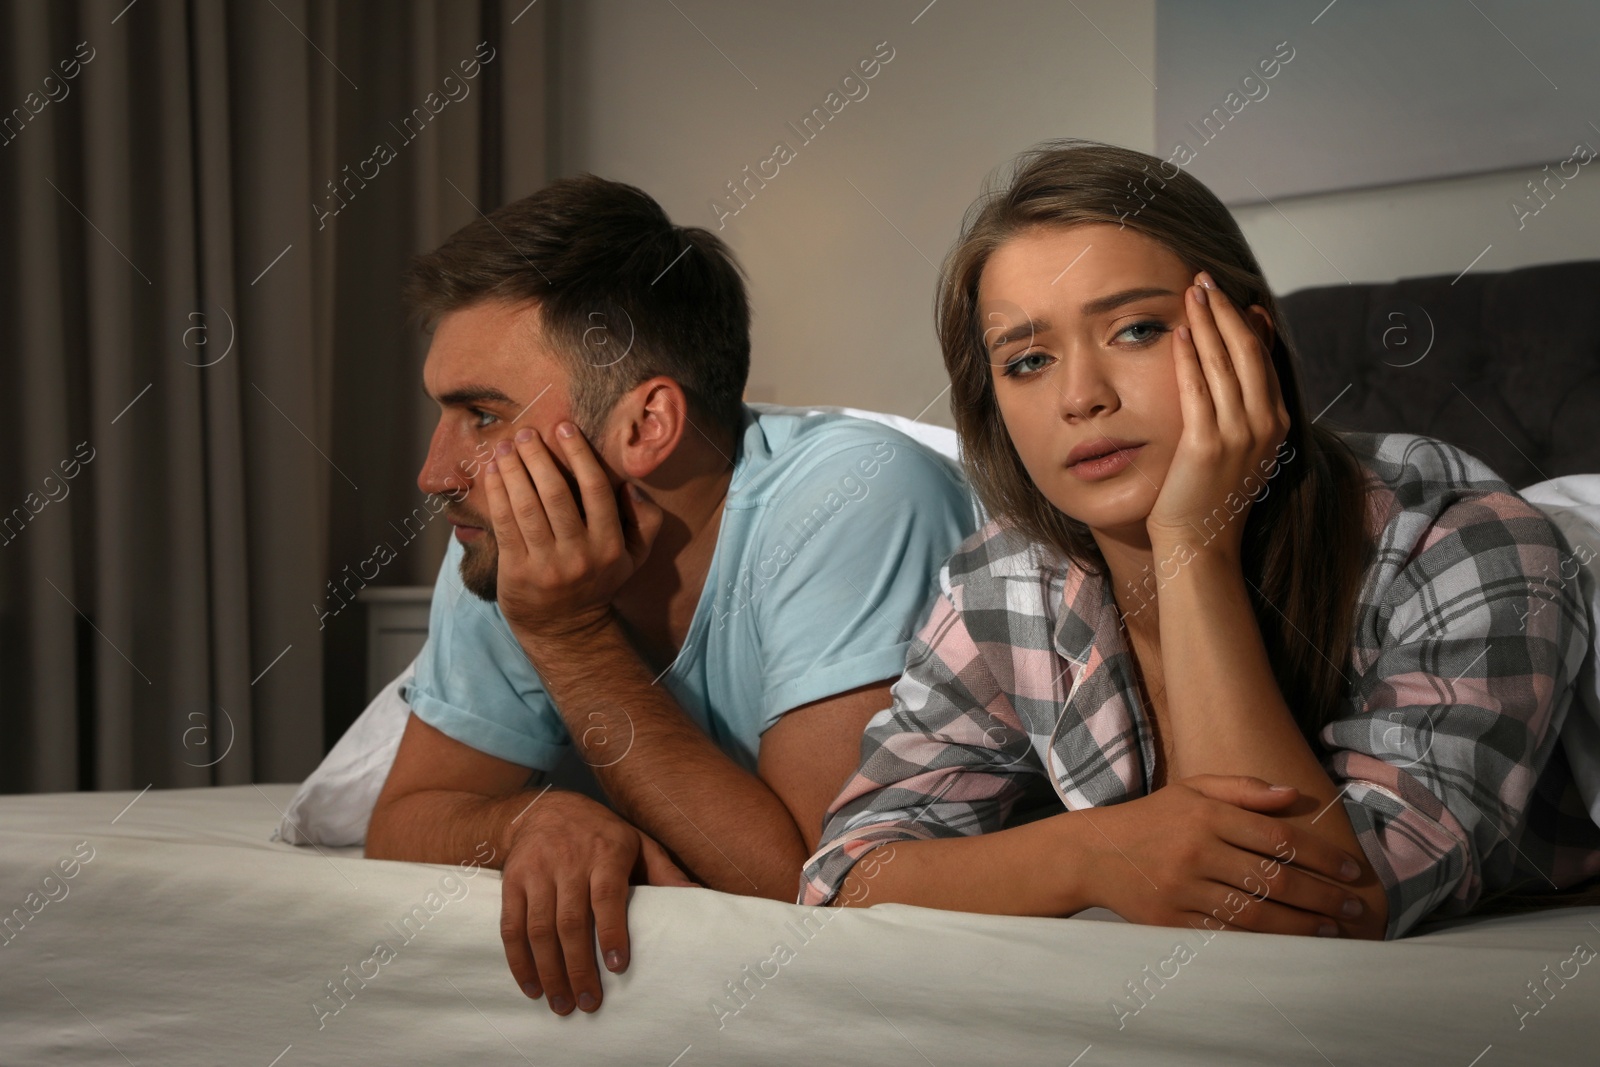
{"points": [[709, 601]]}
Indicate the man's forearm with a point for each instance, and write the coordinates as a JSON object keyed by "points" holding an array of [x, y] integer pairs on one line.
{"points": [[1227, 713], [661, 772], [440, 826]]}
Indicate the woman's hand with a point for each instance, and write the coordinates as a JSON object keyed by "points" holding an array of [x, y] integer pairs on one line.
{"points": [[1234, 419], [1197, 852]]}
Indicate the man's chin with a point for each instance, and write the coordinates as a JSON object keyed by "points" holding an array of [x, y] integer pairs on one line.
{"points": [[480, 568]]}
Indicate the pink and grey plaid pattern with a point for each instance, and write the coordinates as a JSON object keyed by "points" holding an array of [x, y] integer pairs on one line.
{"points": [[1467, 644]]}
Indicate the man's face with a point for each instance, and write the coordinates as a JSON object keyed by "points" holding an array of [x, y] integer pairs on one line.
{"points": [[492, 374]]}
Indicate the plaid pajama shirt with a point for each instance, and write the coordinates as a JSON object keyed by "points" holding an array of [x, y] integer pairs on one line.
{"points": [[1469, 634]]}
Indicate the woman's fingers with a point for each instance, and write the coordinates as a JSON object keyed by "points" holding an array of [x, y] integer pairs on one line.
{"points": [[1286, 885], [1222, 377], [1282, 842], [1248, 360], [1194, 393]]}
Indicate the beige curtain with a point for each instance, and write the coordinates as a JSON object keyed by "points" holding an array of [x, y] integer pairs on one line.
{"points": [[209, 405]]}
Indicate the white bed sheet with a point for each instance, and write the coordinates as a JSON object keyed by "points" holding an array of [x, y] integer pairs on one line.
{"points": [[191, 938]]}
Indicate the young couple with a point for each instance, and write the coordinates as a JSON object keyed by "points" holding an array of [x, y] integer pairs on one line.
{"points": [[1268, 676]]}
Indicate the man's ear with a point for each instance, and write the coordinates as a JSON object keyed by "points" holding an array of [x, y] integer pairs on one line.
{"points": [[1261, 324], [650, 422]]}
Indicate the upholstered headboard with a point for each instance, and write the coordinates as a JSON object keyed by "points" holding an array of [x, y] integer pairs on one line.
{"points": [[1505, 366]]}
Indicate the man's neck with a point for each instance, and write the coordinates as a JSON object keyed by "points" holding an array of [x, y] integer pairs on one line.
{"points": [[657, 604]]}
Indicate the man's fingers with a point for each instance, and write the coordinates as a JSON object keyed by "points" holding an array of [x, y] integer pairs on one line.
{"points": [[575, 927], [545, 941], [507, 534], [658, 866], [608, 894], [556, 503], [514, 936], [527, 504], [599, 500]]}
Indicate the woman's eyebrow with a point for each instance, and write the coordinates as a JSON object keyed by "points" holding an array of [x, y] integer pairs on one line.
{"points": [[1103, 304], [1025, 328]]}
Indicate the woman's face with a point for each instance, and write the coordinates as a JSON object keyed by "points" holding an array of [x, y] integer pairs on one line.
{"points": [[1078, 323]]}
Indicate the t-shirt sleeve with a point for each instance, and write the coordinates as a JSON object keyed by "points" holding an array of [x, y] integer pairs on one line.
{"points": [[1457, 715], [474, 683], [848, 567]]}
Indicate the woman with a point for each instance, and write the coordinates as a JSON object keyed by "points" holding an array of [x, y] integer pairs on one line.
{"points": [[1190, 591]]}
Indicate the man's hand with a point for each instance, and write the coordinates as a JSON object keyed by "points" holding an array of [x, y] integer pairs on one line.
{"points": [[1197, 851], [559, 565], [564, 885]]}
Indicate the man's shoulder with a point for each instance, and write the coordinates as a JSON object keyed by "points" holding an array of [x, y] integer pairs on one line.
{"points": [[806, 448]]}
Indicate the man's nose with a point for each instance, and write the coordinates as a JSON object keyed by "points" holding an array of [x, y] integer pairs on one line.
{"points": [[441, 474]]}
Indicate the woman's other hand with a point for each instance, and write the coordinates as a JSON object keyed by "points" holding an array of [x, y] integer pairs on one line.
{"points": [[1202, 852]]}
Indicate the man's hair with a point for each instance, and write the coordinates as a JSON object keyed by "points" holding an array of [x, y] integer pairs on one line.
{"points": [[623, 294]]}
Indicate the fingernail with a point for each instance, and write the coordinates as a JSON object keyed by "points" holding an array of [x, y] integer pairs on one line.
{"points": [[1183, 332], [1327, 930], [532, 989], [1200, 295], [560, 1005], [614, 960], [524, 434], [493, 467], [1205, 280], [587, 1002], [1350, 870], [566, 429], [1351, 908], [502, 448], [1283, 788]]}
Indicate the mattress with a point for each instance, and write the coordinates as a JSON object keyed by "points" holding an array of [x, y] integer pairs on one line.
{"points": [[184, 935]]}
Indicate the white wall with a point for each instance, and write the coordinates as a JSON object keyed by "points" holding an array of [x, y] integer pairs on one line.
{"points": [[837, 245]]}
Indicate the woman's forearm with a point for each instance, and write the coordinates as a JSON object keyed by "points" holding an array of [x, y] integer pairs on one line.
{"points": [[1041, 868], [1226, 713]]}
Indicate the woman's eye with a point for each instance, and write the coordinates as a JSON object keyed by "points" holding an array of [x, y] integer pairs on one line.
{"points": [[1027, 363], [482, 418], [1142, 332]]}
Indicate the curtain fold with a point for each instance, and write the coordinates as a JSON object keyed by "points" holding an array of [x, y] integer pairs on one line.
{"points": [[211, 409]]}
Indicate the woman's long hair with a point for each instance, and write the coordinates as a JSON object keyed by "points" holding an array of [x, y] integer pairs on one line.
{"points": [[1306, 545]]}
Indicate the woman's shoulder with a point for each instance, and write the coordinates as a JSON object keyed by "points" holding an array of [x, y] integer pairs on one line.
{"points": [[998, 553], [1415, 464], [1415, 482]]}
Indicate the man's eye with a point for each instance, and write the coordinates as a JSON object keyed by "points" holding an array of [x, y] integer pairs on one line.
{"points": [[1144, 332], [1025, 364], [482, 418]]}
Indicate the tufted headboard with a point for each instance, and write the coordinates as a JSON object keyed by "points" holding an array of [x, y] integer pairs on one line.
{"points": [[1505, 366]]}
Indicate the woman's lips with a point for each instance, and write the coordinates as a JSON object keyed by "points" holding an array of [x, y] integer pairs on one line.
{"points": [[1093, 470]]}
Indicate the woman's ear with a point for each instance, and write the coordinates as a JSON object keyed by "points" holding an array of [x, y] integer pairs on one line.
{"points": [[651, 420], [1261, 323]]}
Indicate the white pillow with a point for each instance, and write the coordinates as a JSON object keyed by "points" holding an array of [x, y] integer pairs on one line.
{"points": [[334, 805], [1573, 504]]}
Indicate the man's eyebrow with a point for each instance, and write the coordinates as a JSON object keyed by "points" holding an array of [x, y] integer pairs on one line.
{"points": [[470, 394], [1111, 302]]}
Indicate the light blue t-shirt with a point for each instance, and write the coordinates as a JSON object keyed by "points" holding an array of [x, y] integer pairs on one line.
{"points": [[826, 562]]}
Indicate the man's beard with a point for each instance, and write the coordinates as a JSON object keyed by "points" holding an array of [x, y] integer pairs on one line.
{"points": [[480, 567]]}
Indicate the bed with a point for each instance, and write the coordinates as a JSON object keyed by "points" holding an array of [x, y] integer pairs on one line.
{"points": [[169, 926], [188, 937]]}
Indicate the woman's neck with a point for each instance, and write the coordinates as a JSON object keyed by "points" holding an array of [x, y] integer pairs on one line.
{"points": [[1132, 571]]}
